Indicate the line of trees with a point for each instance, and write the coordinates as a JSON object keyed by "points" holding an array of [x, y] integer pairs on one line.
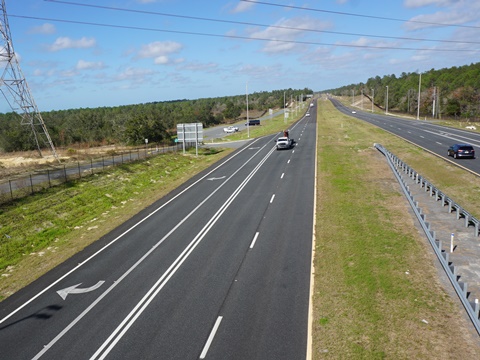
{"points": [[132, 124], [446, 93]]}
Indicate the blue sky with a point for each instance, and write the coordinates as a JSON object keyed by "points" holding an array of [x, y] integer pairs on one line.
{"points": [[94, 53]]}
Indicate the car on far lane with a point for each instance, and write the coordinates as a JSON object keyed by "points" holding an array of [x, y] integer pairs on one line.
{"points": [[461, 151], [230, 129]]}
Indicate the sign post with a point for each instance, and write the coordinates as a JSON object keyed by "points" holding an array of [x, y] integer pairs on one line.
{"points": [[192, 132]]}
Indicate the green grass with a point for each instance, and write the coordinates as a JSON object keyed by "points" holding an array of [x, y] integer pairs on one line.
{"points": [[374, 283], [374, 278], [269, 126], [39, 231]]}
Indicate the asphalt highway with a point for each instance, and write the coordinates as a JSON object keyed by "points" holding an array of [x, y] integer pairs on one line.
{"points": [[218, 269], [429, 136]]}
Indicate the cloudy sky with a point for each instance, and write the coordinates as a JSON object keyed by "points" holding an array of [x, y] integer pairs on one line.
{"points": [[94, 53]]}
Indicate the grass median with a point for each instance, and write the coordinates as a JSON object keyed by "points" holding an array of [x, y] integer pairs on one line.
{"points": [[377, 293]]}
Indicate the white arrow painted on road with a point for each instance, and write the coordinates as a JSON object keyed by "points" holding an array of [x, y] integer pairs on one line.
{"points": [[73, 289], [214, 178]]}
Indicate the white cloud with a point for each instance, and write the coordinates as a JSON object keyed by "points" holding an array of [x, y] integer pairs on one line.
{"points": [[210, 67], [136, 74], [242, 6], [63, 43], [43, 29], [456, 12], [160, 51], [88, 65], [429, 20], [421, 3], [286, 32]]}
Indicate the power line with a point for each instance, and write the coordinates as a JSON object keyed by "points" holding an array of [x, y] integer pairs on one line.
{"points": [[359, 15], [242, 37], [257, 24]]}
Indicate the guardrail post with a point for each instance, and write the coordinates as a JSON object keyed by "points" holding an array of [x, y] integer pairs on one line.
{"points": [[464, 287]]}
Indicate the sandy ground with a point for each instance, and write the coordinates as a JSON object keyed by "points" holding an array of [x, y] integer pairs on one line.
{"points": [[13, 164]]}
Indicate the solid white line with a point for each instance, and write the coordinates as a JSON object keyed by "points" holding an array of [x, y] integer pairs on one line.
{"points": [[271, 199], [210, 338], [117, 238], [118, 333], [64, 331], [254, 240], [309, 354]]}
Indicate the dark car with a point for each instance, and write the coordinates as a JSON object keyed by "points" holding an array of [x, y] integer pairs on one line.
{"points": [[461, 151], [253, 122]]}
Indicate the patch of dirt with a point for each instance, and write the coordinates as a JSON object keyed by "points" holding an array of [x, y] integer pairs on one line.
{"points": [[18, 163]]}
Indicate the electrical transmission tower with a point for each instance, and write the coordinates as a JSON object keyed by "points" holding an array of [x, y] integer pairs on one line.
{"points": [[15, 89]]}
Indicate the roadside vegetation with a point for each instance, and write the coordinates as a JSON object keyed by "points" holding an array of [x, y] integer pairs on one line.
{"points": [[132, 124], [40, 231], [449, 93], [35, 238], [377, 291]]}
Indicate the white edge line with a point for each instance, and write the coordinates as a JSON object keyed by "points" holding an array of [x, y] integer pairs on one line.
{"points": [[210, 337], [120, 331], [254, 240], [117, 238], [309, 355]]}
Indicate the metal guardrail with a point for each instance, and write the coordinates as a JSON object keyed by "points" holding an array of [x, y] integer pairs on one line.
{"points": [[460, 287], [439, 195]]}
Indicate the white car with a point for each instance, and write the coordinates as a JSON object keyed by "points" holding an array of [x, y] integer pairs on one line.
{"points": [[230, 129]]}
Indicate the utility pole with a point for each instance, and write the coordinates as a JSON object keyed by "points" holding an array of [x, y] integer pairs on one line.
{"points": [[373, 97], [386, 105], [418, 105], [15, 89], [248, 120]]}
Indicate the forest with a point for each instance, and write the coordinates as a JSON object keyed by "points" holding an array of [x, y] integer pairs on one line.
{"points": [[449, 93], [132, 124]]}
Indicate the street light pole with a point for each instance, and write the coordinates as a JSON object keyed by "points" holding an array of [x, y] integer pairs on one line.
{"points": [[418, 105], [373, 97], [248, 125], [386, 106]]}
